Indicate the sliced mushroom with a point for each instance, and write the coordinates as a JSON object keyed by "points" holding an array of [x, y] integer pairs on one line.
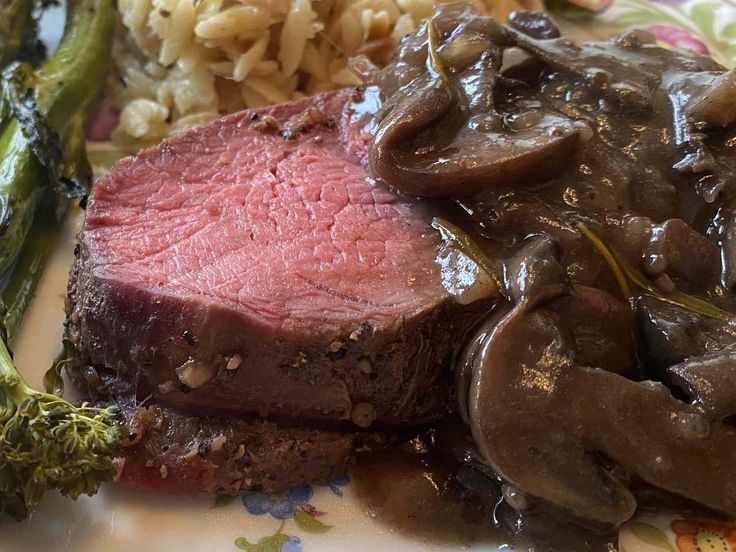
{"points": [[623, 71], [420, 150], [624, 84], [569, 435], [677, 250], [439, 133], [533, 276], [684, 90], [534, 24], [519, 413], [701, 101], [602, 328], [670, 253], [466, 362], [669, 335], [535, 272], [716, 104], [709, 381]]}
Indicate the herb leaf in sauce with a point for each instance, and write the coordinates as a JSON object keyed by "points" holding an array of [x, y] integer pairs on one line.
{"points": [[467, 245], [623, 271], [434, 62], [610, 259]]}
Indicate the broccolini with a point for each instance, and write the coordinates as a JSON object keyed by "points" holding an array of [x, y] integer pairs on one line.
{"points": [[47, 443], [53, 97]]}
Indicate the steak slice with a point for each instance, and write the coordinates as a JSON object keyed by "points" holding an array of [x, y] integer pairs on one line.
{"points": [[248, 268], [179, 454]]}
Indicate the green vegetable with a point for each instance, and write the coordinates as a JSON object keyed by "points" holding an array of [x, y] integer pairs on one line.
{"points": [[19, 82], [625, 273], [19, 32], [56, 97], [70, 163], [47, 443], [25, 274], [22, 280]]}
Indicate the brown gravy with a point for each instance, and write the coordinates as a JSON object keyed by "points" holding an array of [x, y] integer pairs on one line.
{"points": [[433, 489], [413, 493]]}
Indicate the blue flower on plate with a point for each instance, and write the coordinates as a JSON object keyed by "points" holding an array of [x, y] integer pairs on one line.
{"points": [[336, 484], [294, 544], [259, 503]]}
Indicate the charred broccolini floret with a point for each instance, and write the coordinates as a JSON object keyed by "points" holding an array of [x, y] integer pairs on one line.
{"points": [[47, 443]]}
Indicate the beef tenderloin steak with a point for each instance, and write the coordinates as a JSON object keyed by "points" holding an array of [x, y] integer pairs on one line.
{"points": [[249, 269]]}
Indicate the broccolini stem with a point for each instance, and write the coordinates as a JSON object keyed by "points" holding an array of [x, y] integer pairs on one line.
{"points": [[48, 220], [9, 376], [67, 84], [26, 272], [16, 21], [45, 442]]}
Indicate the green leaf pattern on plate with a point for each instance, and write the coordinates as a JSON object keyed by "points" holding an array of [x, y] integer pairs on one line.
{"points": [[272, 543], [309, 523]]}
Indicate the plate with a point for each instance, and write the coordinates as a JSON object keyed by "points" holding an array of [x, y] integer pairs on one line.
{"points": [[332, 518]]}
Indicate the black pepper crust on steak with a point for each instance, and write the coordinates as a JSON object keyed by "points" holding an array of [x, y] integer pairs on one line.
{"points": [[179, 454]]}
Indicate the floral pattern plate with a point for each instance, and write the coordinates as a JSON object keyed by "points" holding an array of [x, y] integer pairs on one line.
{"points": [[330, 518]]}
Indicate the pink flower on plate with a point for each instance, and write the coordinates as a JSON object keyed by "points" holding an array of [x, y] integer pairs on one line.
{"points": [[669, 36], [103, 122]]}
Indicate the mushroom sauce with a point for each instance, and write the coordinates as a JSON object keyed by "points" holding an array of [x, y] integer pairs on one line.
{"points": [[587, 194]]}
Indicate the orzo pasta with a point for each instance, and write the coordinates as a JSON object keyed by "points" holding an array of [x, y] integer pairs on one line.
{"points": [[184, 62]]}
